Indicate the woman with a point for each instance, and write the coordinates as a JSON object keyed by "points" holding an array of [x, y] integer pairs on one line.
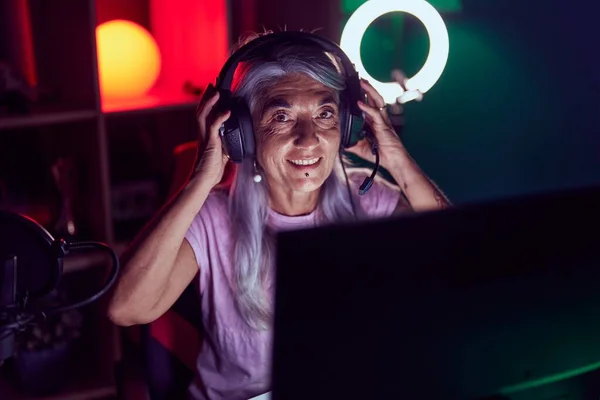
{"points": [[229, 236]]}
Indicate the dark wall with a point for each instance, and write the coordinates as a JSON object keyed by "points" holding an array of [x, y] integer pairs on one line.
{"points": [[517, 109], [309, 15]]}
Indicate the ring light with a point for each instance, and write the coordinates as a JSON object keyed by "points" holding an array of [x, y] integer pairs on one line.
{"points": [[438, 44]]}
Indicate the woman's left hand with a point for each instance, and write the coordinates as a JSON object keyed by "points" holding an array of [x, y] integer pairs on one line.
{"points": [[422, 194], [376, 116]]}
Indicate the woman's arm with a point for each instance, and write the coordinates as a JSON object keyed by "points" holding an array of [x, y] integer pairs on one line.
{"points": [[403, 206], [420, 191], [161, 262]]}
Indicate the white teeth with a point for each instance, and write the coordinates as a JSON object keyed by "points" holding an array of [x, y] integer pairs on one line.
{"points": [[305, 162]]}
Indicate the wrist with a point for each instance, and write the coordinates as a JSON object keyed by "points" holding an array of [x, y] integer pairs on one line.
{"points": [[199, 182], [403, 168], [397, 159]]}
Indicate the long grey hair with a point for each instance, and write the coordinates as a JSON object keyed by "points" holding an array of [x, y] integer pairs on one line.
{"points": [[254, 248]]}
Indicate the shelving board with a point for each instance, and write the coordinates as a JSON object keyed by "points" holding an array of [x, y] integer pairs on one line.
{"points": [[44, 118], [150, 103]]}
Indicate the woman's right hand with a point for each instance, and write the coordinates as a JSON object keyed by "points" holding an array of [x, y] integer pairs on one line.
{"points": [[210, 159]]}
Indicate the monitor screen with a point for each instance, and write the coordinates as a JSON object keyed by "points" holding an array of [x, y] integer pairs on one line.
{"points": [[495, 299]]}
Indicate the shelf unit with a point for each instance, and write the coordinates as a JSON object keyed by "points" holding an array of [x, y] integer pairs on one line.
{"points": [[122, 151]]}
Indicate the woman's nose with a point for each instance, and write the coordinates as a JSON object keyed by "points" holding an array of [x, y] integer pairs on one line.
{"points": [[306, 134]]}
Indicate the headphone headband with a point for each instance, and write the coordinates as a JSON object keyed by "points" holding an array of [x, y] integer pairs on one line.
{"points": [[225, 77], [237, 133]]}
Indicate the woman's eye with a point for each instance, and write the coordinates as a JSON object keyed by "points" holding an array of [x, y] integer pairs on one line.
{"points": [[326, 114], [281, 117]]}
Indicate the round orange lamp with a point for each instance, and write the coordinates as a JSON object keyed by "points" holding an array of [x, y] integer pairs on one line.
{"points": [[128, 59]]}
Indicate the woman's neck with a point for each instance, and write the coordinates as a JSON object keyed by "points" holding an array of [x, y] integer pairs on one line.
{"points": [[293, 203]]}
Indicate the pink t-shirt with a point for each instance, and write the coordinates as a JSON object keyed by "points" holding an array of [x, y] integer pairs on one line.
{"points": [[234, 362]]}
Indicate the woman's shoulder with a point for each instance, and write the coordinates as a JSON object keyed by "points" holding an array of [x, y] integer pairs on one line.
{"points": [[381, 185], [211, 225], [215, 208], [209, 234], [218, 199]]}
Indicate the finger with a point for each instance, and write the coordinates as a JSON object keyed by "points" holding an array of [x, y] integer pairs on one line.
{"points": [[207, 95], [203, 113], [372, 113], [386, 116], [216, 125], [372, 94], [207, 107]]}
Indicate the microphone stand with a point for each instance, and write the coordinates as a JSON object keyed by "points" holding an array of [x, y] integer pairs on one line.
{"points": [[15, 315]]}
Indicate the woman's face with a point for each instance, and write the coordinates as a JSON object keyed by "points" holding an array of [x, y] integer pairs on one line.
{"points": [[298, 133]]}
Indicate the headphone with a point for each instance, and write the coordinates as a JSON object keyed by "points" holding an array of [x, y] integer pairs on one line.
{"points": [[237, 133]]}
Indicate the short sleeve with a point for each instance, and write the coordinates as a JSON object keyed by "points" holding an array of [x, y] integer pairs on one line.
{"points": [[201, 233], [380, 200]]}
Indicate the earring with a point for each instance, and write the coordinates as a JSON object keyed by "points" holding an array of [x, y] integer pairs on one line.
{"points": [[257, 175]]}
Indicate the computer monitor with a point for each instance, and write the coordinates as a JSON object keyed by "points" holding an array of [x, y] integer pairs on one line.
{"points": [[497, 300]]}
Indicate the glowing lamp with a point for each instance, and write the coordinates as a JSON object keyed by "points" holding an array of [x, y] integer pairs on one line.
{"points": [[438, 45], [128, 59]]}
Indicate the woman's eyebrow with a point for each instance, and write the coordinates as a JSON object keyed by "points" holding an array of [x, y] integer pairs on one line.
{"points": [[279, 102], [275, 102], [327, 99]]}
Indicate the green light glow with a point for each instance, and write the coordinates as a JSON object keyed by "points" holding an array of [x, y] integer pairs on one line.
{"points": [[446, 5], [349, 6], [548, 379]]}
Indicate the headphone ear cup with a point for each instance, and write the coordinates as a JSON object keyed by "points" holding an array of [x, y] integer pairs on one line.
{"points": [[356, 131], [244, 118], [237, 133], [344, 123], [351, 126]]}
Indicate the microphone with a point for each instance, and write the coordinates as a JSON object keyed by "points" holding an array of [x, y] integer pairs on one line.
{"points": [[368, 182], [31, 264]]}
